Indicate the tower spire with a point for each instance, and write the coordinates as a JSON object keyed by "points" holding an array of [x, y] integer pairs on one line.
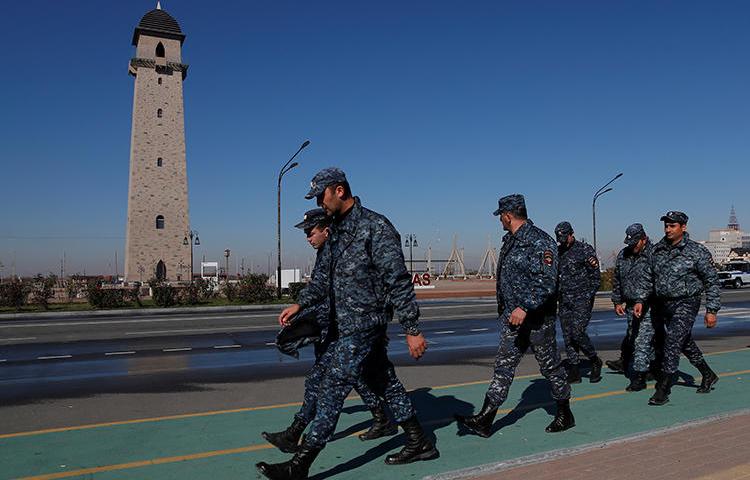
{"points": [[733, 225], [158, 4]]}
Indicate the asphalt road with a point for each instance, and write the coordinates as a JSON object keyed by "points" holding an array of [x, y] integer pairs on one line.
{"points": [[66, 371]]}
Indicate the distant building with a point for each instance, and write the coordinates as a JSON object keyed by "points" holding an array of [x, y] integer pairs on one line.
{"points": [[721, 242]]}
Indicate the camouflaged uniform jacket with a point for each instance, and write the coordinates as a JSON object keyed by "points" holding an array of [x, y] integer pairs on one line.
{"points": [[633, 280], [527, 273], [685, 270], [363, 270], [579, 271]]}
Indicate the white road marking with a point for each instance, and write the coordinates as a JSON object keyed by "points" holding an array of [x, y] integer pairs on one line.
{"points": [[3, 360], [119, 353], [54, 357], [16, 339], [271, 344], [445, 332], [227, 346], [479, 329], [134, 320], [185, 349]]}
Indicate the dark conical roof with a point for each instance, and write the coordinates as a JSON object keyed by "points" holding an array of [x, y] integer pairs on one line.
{"points": [[158, 23]]}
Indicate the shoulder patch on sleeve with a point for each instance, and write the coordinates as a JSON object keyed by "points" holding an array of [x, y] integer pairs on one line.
{"points": [[593, 261], [547, 257]]}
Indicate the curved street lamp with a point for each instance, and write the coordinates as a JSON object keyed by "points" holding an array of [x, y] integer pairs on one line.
{"points": [[283, 171], [598, 194]]}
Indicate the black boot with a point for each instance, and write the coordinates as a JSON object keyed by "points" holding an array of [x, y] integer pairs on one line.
{"points": [[663, 389], [381, 425], [295, 469], [574, 373], [637, 382], [287, 440], [709, 377], [417, 446], [595, 375], [481, 423], [617, 366], [563, 418]]}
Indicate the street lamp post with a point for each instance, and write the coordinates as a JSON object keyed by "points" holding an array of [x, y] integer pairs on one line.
{"points": [[598, 194], [188, 240], [411, 241], [226, 256], [283, 170]]}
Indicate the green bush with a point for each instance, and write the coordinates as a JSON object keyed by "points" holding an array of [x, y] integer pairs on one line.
{"points": [[164, 294], [14, 294], [99, 297], [254, 288], [42, 289], [295, 288], [134, 295], [607, 280], [229, 290]]}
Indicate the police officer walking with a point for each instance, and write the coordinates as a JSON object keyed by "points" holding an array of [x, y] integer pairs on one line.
{"points": [[316, 224], [364, 270], [683, 270], [526, 285], [578, 283], [632, 287]]}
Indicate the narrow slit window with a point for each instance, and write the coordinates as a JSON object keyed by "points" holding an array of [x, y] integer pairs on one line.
{"points": [[159, 113], [159, 80], [160, 222], [159, 162]]}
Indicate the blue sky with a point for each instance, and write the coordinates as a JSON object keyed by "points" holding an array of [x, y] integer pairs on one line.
{"points": [[434, 109]]}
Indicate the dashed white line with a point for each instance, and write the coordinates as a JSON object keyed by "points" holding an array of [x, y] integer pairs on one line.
{"points": [[479, 329], [120, 353], [227, 346], [184, 349], [54, 357], [445, 332], [271, 344], [16, 339], [3, 360]]}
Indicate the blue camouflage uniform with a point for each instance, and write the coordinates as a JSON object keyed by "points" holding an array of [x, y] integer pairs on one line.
{"points": [[579, 280], [527, 278], [314, 377], [682, 273], [363, 271], [632, 283]]}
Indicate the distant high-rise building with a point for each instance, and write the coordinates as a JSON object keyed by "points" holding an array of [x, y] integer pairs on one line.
{"points": [[721, 241], [158, 218]]}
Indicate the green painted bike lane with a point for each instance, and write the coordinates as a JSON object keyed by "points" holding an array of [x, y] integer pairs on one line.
{"points": [[227, 445]]}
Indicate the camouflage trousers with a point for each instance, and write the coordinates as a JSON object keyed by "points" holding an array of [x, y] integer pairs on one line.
{"points": [[575, 315], [514, 341], [349, 359], [638, 344], [314, 379], [673, 320]]}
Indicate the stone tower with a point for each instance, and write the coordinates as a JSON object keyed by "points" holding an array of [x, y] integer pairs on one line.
{"points": [[157, 193]]}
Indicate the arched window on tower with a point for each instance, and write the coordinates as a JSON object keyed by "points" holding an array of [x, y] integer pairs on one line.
{"points": [[159, 162], [160, 50], [159, 113], [160, 222]]}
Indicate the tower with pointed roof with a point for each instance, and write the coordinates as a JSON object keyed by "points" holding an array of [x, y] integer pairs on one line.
{"points": [[158, 219]]}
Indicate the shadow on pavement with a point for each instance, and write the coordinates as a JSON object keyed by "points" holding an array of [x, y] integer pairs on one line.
{"points": [[434, 412]]}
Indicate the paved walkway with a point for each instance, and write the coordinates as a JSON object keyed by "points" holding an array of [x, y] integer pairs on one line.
{"points": [[226, 444]]}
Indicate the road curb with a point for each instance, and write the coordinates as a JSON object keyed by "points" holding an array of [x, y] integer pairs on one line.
{"points": [[136, 312]]}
